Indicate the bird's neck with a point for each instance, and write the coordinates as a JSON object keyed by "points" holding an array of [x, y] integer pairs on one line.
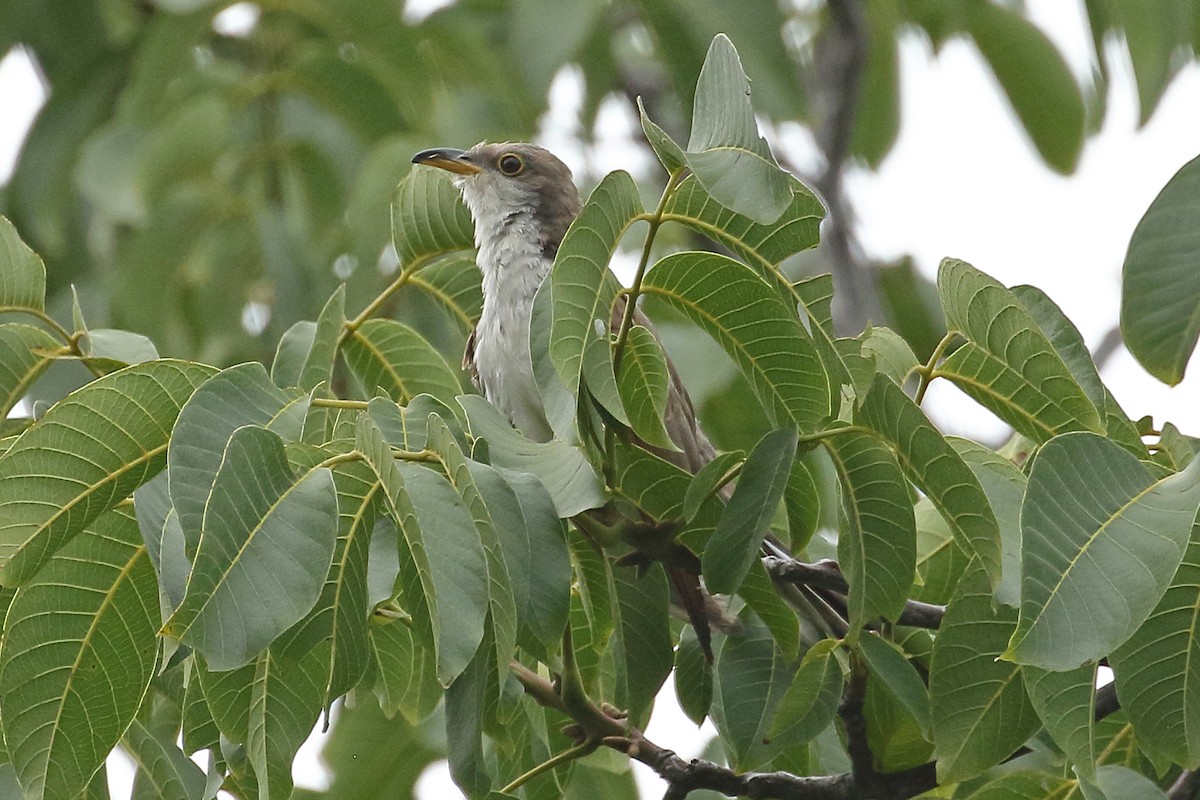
{"points": [[512, 258]]}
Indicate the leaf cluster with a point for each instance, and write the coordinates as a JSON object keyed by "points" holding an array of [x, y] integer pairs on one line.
{"points": [[216, 557]]}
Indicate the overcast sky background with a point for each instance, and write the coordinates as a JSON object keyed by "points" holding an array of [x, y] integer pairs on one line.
{"points": [[962, 181]]}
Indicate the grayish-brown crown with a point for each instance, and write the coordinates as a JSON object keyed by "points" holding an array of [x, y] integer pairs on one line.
{"points": [[505, 183]]}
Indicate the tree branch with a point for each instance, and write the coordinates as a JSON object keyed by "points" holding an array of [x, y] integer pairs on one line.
{"points": [[1108, 346], [841, 59], [685, 776], [1186, 786], [826, 577]]}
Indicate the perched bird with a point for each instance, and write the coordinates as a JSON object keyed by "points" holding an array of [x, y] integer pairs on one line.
{"points": [[522, 199]]}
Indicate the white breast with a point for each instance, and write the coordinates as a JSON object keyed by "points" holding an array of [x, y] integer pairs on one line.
{"points": [[513, 268]]}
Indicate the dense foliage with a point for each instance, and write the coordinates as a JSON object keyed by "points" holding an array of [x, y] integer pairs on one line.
{"points": [[218, 556], [188, 173]]}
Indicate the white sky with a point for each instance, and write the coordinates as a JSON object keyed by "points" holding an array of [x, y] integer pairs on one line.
{"points": [[962, 181]]}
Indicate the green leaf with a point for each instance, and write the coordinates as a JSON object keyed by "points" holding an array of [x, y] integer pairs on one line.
{"points": [[199, 728], [502, 605], [78, 654], [466, 717], [374, 757], [803, 503], [1036, 80], [1158, 669], [1094, 516], [644, 655], [591, 613], [1154, 34], [659, 488], [1160, 284], [763, 246], [159, 524], [761, 334], [1180, 447], [877, 121], [812, 700], [169, 773], [307, 350], [443, 569], [563, 469], [1004, 484], [643, 382], [933, 465], [1067, 340], [235, 397], [405, 673], [893, 735], [457, 563], [22, 273], [940, 562], [262, 559], [746, 519], [764, 599], [1066, 703], [406, 427], [693, 677], [897, 674], [390, 356], [340, 614], [1118, 782], [533, 540], [816, 296], [429, 219], [669, 154], [743, 681], [25, 352], [227, 696], [725, 152], [1027, 785], [980, 713], [285, 699], [584, 290], [877, 546], [110, 349], [88, 452], [703, 485], [538, 56], [892, 355], [558, 404], [455, 285], [1009, 366]]}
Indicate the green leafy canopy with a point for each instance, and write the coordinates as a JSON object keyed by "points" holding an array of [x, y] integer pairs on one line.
{"points": [[196, 558]]}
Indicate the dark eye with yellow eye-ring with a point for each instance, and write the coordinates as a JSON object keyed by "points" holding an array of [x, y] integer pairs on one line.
{"points": [[510, 164]]}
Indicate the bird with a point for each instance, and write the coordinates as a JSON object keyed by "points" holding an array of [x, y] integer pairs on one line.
{"points": [[522, 199]]}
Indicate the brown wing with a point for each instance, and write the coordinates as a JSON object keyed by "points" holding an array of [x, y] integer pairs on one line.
{"points": [[468, 362], [680, 418]]}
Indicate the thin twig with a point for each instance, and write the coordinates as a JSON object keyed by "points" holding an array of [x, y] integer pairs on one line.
{"points": [[827, 575], [1186, 786], [635, 288]]}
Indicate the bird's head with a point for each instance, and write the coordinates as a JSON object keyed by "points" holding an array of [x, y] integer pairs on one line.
{"points": [[504, 183]]}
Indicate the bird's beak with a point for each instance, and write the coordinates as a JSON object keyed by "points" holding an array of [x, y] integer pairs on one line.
{"points": [[447, 158]]}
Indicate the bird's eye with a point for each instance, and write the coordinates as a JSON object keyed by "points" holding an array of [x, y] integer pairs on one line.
{"points": [[510, 164]]}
